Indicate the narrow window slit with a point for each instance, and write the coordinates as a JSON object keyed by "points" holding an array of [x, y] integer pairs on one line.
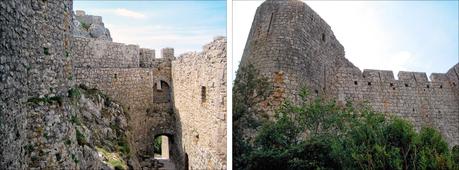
{"points": [[270, 21], [203, 94]]}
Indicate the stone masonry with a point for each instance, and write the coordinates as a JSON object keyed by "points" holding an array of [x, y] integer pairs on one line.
{"points": [[44, 53], [295, 48], [34, 37], [199, 86]]}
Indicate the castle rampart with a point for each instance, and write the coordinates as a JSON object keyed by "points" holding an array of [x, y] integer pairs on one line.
{"points": [[90, 53], [426, 103], [290, 44]]}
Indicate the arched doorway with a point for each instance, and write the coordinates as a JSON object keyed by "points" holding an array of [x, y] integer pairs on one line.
{"points": [[161, 147], [162, 92], [162, 99]]}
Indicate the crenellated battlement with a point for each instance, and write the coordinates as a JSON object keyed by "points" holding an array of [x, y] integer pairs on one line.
{"points": [[402, 76], [93, 53]]}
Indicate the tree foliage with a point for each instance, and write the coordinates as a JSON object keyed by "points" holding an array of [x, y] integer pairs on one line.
{"points": [[250, 88]]}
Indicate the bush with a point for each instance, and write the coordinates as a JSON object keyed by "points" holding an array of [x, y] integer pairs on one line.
{"points": [[249, 89], [85, 26], [81, 139], [157, 145]]}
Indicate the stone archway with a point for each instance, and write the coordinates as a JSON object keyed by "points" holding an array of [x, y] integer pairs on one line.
{"points": [[162, 91], [169, 157], [162, 146], [162, 96]]}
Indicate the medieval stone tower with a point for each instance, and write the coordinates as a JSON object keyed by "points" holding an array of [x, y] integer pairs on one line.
{"points": [[69, 95], [291, 45]]}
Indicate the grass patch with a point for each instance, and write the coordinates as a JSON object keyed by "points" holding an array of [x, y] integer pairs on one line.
{"points": [[113, 159], [81, 139], [74, 93], [85, 26], [46, 100], [67, 54], [29, 148], [74, 158], [68, 142], [123, 146], [75, 120]]}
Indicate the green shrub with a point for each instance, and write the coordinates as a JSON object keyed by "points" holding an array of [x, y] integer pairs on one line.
{"points": [[75, 120], [85, 25], [74, 93], [74, 158], [81, 139], [46, 100], [68, 142], [157, 145], [123, 146]]}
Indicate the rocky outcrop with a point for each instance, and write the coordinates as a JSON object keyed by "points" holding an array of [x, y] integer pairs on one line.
{"points": [[84, 130], [90, 26]]}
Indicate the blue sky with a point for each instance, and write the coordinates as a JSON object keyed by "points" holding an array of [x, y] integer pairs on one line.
{"points": [[388, 35], [183, 25]]}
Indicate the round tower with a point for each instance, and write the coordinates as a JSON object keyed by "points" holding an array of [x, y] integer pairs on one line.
{"points": [[291, 45]]}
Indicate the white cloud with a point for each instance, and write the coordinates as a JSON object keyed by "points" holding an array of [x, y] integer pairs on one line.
{"points": [[118, 12], [128, 13]]}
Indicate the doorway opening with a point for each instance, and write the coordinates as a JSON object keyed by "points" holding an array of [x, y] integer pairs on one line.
{"points": [[161, 147]]}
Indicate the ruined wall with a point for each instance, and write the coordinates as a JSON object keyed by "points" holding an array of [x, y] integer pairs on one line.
{"points": [[199, 84], [90, 26], [290, 44], [34, 38], [146, 57], [425, 103], [91, 53]]}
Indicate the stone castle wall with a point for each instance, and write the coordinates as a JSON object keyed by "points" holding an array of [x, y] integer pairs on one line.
{"points": [[90, 53], [34, 36], [433, 103], [199, 83], [131, 87], [295, 48], [115, 69]]}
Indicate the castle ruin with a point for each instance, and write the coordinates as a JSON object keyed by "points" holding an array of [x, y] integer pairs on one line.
{"points": [[291, 45], [46, 50]]}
